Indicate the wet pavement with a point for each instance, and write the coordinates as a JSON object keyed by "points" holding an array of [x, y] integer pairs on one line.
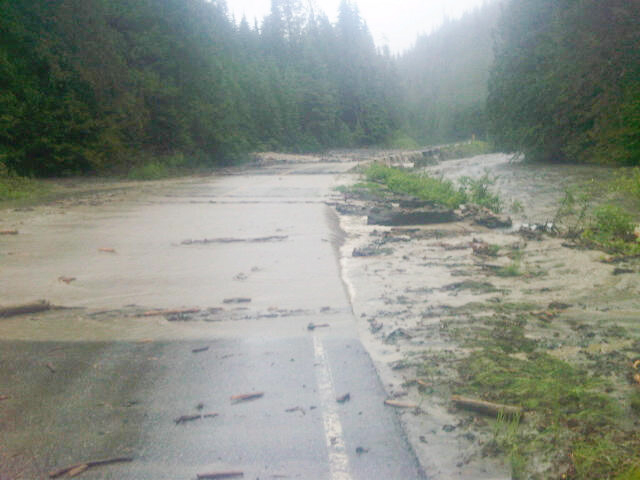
{"points": [[255, 257]]}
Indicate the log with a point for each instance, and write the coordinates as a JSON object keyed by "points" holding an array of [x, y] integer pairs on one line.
{"points": [[35, 307], [8, 232], [78, 468], [246, 397], [219, 475], [178, 311], [187, 418], [397, 404], [488, 408]]}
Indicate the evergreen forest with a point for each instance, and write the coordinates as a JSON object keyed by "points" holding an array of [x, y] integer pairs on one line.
{"points": [[100, 86]]}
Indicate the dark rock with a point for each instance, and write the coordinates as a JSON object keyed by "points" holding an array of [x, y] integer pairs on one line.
{"points": [[420, 216]]}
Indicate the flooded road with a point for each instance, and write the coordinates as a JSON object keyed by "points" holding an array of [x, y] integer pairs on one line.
{"points": [[176, 302]]}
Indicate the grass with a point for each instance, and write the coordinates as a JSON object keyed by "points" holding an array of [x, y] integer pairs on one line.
{"points": [[511, 270], [609, 226], [381, 179], [569, 413], [398, 181], [16, 189]]}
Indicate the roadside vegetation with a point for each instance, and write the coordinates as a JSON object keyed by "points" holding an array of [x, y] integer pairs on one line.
{"points": [[382, 181], [612, 224], [18, 189]]}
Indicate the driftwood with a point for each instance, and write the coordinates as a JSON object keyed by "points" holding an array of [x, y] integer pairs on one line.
{"points": [[246, 397], [312, 326], [200, 350], [487, 408], [219, 475], [397, 404], [179, 311], [35, 307], [8, 232], [107, 250], [78, 468], [187, 418]]}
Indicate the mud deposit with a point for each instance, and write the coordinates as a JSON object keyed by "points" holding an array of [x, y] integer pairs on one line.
{"points": [[457, 308]]}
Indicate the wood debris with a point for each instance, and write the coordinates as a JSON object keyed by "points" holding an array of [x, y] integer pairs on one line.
{"points": [[50, 367], [200, 350], [187, 418], [246, 397], [177, 311], [107, 250], [78, 468], [35, 307], [344, 398], [8, 232], [220, 475], [312, 326], [66, 280], [4, 397], [487, 408], [397, 404]]}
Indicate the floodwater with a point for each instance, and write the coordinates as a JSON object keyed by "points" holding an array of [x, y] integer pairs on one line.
{"points": [[252, 257], [538, 188]]}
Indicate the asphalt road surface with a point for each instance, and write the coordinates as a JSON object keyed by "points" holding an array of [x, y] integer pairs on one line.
{"points": [[256, 255]]}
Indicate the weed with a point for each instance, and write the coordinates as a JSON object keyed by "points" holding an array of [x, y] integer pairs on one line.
{"points": [[436, 190], [21, 189], [517, 207], [511, 270], [151, 170], [565, 405], [572, 212], [477, 191]]}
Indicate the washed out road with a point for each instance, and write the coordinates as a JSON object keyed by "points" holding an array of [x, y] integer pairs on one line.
{"points": [[253, 257]]}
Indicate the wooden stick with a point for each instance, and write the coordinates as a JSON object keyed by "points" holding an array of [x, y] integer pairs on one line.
{"points": [[247, 396], [153, 313], [487, 408], [187, 418], [35, 307], [80, 467], [397, 404], [219, 475]]}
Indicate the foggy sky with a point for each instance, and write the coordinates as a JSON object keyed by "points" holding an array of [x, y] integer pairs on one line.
{"points": [[395, 23]]}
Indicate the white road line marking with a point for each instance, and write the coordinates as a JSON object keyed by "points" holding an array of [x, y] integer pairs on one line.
{"points": [[338, 458]]}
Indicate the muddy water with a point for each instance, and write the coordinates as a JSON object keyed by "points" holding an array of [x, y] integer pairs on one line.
{"points": [[233, 244], [537, 187], [407, 295]]}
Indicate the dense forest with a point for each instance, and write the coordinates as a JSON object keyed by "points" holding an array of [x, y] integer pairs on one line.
{"points": [[101, 86], [566, 81]]}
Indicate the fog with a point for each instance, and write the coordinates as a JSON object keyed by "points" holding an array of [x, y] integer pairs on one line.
{"points": [[396, 24]]}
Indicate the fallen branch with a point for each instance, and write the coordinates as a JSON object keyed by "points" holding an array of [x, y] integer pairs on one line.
{"points": [[219, 475], [487, 408], [187, 418], [199, 350], [312, 326], [76, 469], [51, 367], [35, 307], [107, 250], [179, 311], [246, 397], [8, 232], [397, 404]]}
